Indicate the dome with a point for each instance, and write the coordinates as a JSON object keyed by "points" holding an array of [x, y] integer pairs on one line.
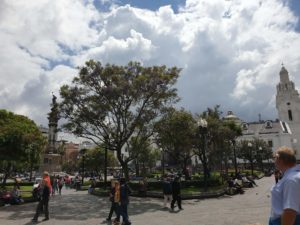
{"points": [[230, 115]]}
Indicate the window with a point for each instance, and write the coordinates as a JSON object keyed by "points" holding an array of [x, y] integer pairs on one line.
{"points": [[45, 160], [290, 115], [270, 143], [245, 126], [268, 125]]}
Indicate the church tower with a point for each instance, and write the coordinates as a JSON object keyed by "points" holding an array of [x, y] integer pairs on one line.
{"points": [[288, 107]]}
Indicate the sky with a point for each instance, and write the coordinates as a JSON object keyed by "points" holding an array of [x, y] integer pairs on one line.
{"points": [[230, 51]]}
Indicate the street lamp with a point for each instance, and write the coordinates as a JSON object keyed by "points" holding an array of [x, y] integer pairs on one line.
{"points": [[261, 155], [251, 157], [202, 126]]}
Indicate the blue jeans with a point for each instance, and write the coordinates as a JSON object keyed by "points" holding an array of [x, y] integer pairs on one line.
{"points": [[278, 221], [123, 212]]}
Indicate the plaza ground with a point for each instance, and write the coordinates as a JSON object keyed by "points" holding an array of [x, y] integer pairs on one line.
{"points": [[79, 208]]}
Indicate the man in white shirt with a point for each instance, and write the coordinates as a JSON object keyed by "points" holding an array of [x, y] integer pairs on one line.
{"points": [[285, 208], [286, 193]]}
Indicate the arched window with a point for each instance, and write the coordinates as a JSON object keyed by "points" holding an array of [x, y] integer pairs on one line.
{"points": [[290, 115]]}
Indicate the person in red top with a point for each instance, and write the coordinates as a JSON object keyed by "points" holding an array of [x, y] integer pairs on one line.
{"points": [[47, 178]]}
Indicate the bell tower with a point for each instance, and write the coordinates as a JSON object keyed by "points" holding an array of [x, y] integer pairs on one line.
{"points": [[288, 106]]}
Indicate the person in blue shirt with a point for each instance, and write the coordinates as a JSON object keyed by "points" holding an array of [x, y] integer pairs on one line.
{"points": [[285, 209], [285, 200]]}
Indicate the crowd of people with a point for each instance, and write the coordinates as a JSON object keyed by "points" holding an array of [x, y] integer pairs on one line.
{"points": [[237, 182]]}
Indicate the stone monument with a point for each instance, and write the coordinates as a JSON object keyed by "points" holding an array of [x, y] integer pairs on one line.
{"points": [[51, 160]]}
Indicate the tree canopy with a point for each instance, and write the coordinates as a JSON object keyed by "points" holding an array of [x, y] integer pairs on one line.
{"points": [[20, 140], [110, 104], [175, 134]]}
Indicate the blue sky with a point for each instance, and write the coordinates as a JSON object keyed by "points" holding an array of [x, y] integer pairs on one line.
{"points": [[154, 4], [295, 6]]}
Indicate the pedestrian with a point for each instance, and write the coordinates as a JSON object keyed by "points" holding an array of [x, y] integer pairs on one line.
{"points": [[276, 175], [44, 202], [54, 185], [47, 178], [115, 200], [176, 193], [124, 201], [15, 196], [60, 184], [167, 191], [285, 194]]}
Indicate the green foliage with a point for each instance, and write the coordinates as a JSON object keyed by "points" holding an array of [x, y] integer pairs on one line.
{"points": [[94, 160], [109, 104], [221, 136], [175, 135], [258, 151], [21, 142]]}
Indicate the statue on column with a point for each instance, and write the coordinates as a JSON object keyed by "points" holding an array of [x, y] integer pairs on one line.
{"points": [[53, 117]]}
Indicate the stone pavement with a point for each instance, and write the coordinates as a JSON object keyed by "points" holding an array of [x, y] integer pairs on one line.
{"points": [[79, 208]]}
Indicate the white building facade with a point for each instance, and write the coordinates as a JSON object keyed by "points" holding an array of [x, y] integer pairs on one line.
{"points": [[288, 107], [286, 130]]}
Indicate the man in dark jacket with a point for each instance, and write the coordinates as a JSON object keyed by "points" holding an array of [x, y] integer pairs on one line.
{"points": [[124, 198], [43, 203], [176, 193]]}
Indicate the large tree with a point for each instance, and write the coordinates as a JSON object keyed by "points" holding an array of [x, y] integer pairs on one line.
{"points": [[21, 142], [175, 134], [110, 104], [219, 140]]}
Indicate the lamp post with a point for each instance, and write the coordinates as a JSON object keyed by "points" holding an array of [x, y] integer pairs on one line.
{"points": [[234, 160], [251, 157], [202, 126], [82, 153], [261, 155]]}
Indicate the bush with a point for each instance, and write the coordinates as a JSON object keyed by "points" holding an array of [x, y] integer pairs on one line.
{"points": [[20, 184]]}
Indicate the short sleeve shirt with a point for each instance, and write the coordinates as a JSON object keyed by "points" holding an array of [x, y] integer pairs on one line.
{"points": [[286, 193]]}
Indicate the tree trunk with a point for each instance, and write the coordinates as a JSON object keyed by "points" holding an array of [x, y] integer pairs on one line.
{"points": [[31, 168], [6, 173], [124, 164], [137, 168], [185, 171]]}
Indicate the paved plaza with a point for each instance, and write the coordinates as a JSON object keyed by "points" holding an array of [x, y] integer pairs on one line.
{"points": [[79, 208]]}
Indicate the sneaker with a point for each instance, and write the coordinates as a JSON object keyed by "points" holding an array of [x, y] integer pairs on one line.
{"points": [[34, 220], [45, 219], [108, 219]]}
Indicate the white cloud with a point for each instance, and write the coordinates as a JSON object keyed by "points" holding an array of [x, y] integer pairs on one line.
{"points": [[230, 51]]}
